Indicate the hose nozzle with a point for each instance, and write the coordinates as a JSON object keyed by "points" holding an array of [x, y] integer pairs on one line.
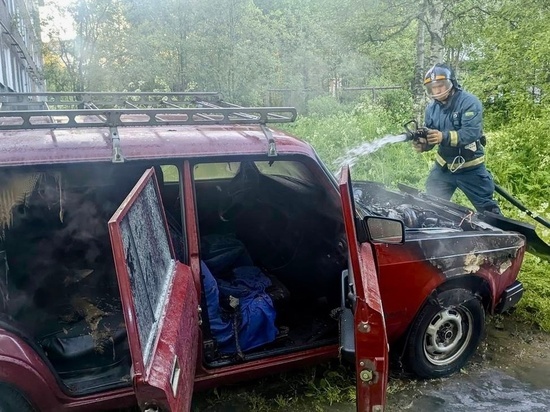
{"points": [[414, 133]]}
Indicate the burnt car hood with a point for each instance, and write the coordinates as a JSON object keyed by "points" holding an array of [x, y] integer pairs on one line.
{"points": [[425, 215]]}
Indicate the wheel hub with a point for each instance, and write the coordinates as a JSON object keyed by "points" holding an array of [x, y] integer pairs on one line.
{"points": [[447, 335]]}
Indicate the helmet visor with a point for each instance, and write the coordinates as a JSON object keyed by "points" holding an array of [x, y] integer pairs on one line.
{"points": [[438, 88]]}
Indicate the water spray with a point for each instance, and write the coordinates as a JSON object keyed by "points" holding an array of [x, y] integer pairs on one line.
{"points": [[353, 155], [412, 132]]}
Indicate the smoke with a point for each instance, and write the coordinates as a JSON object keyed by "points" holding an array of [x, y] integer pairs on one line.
{"points": [[52, 254]]}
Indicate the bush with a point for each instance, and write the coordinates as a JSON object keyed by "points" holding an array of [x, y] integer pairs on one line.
{"points": [[335, 137], [397, 104], [325, 106], [519, 158]]}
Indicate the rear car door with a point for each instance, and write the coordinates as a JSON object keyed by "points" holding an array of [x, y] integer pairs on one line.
{"points": [[370, 339], [159, 300]]}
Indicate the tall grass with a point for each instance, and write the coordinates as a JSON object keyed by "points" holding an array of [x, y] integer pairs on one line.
{"points": [[519, 157], [335, 134]]}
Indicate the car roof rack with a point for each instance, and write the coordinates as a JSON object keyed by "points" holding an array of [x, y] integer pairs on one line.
{"points": [[93, 109], [62, 110]]}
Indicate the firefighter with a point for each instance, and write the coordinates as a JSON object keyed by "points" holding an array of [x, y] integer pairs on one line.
{"points": [[454, 121]]}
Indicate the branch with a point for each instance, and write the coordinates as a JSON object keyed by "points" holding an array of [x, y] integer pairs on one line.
{"points": [[404, 25]]}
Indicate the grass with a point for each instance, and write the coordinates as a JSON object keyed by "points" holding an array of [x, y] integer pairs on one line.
{"points": [[534, 307], [311, 389]]}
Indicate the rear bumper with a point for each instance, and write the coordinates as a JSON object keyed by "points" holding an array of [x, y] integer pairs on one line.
{"points": [[510, 297]]}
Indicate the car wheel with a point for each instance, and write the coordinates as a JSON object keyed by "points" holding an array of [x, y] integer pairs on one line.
{"points": [[11, 400], [445, 334]]}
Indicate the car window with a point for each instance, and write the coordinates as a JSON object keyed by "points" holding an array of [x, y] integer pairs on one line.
{"points": [[227, 170], [169, 177], [170, 173], [211, 171], [159, 298], [150, 263]]}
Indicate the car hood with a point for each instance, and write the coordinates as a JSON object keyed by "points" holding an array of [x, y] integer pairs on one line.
{"points": [[424, 215]]}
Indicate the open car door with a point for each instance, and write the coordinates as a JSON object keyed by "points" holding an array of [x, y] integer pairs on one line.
{"points": [[159, 301], [365, 326]]}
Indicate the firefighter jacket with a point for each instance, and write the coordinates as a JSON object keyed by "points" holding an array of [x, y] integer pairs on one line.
{"points": [[460, 119]]}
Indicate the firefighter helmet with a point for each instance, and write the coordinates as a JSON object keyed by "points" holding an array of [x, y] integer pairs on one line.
{"points": [[439, 81]]}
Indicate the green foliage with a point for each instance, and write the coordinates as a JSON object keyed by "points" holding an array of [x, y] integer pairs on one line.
{"points": [[397, 104], [534, 307], [385, 32], [519, 158], [333, 136], [326, 106], [510, 61], [87, 59], [317, 388], [58, 77], [240, 48]]}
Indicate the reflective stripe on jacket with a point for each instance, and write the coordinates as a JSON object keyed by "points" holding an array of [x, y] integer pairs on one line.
{"points": [[460, 120]]}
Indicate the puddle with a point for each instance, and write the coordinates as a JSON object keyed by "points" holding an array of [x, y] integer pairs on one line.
{"points": [[510, 373], [482, 391]]}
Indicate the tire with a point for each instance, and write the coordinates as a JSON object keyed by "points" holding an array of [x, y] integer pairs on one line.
{"points": [[445, 334], [11, 400]]}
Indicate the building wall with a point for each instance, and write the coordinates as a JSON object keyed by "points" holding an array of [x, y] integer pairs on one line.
{"points": [[20, 47]]}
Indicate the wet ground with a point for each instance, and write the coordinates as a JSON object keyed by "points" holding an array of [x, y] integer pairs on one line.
{"points": [[509, 373]]}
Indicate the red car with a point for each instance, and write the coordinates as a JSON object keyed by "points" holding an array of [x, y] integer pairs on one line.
{"points": [[149, 249]]}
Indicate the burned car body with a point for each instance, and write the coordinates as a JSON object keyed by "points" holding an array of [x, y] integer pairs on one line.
{"points": [[448, 247], [149, 250]]}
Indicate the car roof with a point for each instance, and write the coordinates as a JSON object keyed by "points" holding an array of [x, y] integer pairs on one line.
{"points": [[27, 147], [33, 137]]}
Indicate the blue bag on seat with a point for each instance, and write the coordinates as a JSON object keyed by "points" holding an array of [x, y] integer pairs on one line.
{"points": [[252, 319]]}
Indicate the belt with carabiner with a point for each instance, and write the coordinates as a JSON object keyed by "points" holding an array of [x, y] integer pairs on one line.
{"points": [[458, 162]]}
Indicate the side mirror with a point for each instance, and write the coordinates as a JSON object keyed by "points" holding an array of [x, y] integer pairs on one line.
{"points": [[385, 230]]}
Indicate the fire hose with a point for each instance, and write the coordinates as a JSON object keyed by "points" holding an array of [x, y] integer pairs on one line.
{"points": [[520, 206]]}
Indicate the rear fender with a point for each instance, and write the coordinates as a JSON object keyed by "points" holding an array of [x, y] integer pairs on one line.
{"points": [[24, 369]]}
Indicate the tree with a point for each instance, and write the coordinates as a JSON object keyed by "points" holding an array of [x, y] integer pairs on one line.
{"points": [[93, 21], [421, 33], [55, 71], [510, 65]]}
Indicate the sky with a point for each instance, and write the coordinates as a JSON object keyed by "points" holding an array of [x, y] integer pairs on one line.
{"points": [[63, 23]]}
